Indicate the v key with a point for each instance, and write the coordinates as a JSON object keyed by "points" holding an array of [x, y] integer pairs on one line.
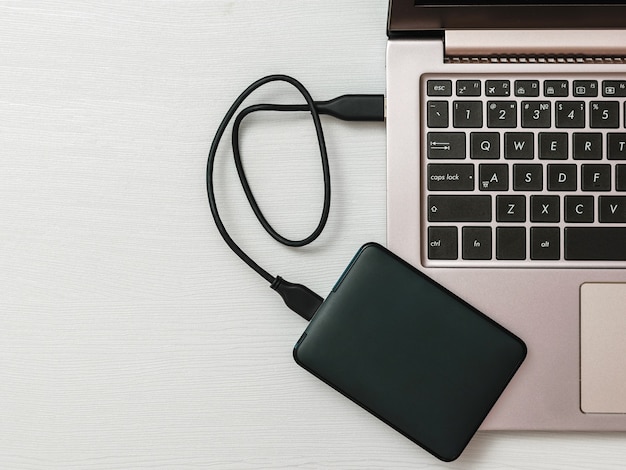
{"points": [[612, 209]]}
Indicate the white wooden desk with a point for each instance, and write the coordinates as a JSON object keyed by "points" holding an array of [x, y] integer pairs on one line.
{"points": [[130, 336]]}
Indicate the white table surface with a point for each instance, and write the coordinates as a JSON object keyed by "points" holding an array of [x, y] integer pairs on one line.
{"points": [[130, 336]]}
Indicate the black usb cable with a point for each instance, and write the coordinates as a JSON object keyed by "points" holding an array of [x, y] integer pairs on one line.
{"points": [[297, 297]]}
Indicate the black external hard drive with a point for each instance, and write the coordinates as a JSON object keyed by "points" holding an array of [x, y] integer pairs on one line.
{"points": [[409, 351]]}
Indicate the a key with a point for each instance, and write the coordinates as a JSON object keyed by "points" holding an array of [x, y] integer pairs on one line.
{"points": [[562, 177], [484, 145], [620, 177], [570, 114], [446, 145], [497, 88], [552, 146], [555, 88], [587, 146], [442, 243], [527, 177], [526, 88], [493, 177], [466, 208], [476, 243], [467, 114], [595, 243], [545, 243], [510, 208], [439, 88], [468, 88], [501, 114], [544, 209], [519, 145], [596, 177], [616, 147], [579, 209], [585, 88], [437, 114], [536, 114], [614, 88], [612, 210], [604, 114], [450, 177], [511, 243]]}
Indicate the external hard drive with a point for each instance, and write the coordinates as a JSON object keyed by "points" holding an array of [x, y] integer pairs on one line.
{"points": [[409, 351]]}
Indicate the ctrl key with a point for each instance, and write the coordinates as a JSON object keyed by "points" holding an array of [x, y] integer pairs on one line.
{"points": [[443, 243]]}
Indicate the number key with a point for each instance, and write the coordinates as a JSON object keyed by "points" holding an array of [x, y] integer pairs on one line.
{"points": [[570, 114], [604, 114], [536, 114], [468, 114], [501, 114]]}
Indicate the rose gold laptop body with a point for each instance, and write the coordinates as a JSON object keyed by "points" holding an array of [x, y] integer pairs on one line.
{"points": [[570, 313]]}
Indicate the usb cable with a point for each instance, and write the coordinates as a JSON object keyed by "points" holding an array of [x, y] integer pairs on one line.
{"points": [[297, 297]]}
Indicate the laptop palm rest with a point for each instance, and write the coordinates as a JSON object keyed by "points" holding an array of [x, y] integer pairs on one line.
{"points": [[603, 348]]}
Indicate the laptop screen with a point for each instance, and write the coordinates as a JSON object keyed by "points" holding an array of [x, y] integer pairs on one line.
{"points": [[417, 17]]}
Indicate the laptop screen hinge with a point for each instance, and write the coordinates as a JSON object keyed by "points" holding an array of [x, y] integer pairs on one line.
{"points": [[535, 45]]}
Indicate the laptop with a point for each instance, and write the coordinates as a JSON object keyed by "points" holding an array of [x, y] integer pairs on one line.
{"points": [[506, 137]]}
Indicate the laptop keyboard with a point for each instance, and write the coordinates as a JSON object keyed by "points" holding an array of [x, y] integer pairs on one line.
{"points": [[523, 171]]}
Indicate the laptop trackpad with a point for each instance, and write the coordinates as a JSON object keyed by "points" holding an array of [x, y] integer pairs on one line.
{"points": [[603, 347]]}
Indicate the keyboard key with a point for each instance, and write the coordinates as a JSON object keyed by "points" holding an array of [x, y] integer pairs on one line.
{"points": [[562, 178], [545, 209], [545, 243], [527, 177], [570, 114], [476, 242], [587, 146], [555, 88], [620, 177], [510, 208], [614, 88], [450, 177], [501, 114], [536, 114], [466, 208], [511, 243], [604, 114], [519, 145], [442, 243], [579, 209], [527, 88], [446, 145], [437, 114], [612, 210], [498, 88], [468, 88], [595, 243], [552, 146], [484, 145], [493, 177], [585, 88], [439, 88], [468, 114], [596, 177], [616, 147]]}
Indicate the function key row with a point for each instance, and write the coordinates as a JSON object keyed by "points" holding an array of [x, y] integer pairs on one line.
{"points": [[531, 88], [534, 114]]}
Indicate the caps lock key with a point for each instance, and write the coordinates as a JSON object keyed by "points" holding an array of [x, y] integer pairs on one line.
{"points": [[450, 177]]}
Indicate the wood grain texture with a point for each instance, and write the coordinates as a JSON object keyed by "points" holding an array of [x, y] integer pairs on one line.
{"points": [[130, 336]]}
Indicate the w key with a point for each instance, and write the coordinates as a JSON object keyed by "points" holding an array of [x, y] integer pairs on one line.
{"points": [[612, 209]]}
